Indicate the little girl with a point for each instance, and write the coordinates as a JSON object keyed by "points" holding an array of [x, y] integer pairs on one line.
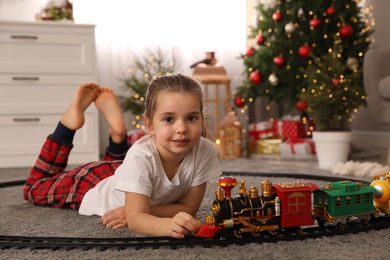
{"points": [[158, 187]]}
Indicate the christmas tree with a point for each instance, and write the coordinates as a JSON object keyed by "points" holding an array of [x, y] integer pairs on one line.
{"points": [[334, 90], [147, 66], [289, 36]]}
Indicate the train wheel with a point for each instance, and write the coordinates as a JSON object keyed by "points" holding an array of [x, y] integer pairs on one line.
{"points": [[237, 234], [300, 231], [257, 233], [340, 226], [365, 222], [273, 232]]}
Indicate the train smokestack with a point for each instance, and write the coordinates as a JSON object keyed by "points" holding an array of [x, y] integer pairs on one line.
{"points": [[227, 183]]}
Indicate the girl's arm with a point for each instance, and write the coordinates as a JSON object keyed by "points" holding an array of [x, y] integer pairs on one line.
{"points": [[189, 203], [139, 219]]}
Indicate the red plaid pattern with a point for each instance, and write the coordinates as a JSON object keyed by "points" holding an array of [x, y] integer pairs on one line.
{"points": [[49, 184]]}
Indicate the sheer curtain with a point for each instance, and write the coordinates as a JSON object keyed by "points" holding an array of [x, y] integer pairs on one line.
{"points": [[187, 28]]}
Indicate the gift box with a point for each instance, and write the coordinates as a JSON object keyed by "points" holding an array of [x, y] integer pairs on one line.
{"points": [[298, 148], [264, 146], [289, 127], [261, 130], [134, 135]]}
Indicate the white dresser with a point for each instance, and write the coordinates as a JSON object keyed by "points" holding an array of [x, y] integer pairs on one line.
{"points": [[41, 66]]}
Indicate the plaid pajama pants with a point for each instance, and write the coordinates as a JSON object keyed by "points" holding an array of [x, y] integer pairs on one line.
{"points": [[49, 184]]}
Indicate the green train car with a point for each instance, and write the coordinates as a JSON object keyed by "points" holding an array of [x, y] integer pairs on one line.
{"points": [[341, 202]]}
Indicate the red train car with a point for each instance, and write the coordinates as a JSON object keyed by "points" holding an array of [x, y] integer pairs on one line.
{"points": [[296, 204]]}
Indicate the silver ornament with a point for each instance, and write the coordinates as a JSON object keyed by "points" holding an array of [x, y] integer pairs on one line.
{"points": [[273, 80], [352, 63], [289, 27]]}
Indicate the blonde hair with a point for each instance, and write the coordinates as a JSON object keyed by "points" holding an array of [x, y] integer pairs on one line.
{"points": [[172, 83]]}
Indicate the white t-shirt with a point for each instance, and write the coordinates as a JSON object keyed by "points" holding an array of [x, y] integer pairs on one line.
{"points": [[142, 172]]}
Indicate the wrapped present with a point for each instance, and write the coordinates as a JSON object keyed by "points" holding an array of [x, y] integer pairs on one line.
{"points": [[299, 148], [289, 127], [134, 135], [264, 146], [261, 130]]}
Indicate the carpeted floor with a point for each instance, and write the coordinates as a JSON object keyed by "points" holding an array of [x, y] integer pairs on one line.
{"points": [[20, 218]]}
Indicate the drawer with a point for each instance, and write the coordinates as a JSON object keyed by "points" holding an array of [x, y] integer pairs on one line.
{"points": [[37, 94], [26, 136], [29, 52]]}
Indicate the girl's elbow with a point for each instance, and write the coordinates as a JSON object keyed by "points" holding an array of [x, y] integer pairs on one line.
{"points": [[131, 226]]}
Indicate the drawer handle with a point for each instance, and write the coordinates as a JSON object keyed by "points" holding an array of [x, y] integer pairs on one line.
{"points": [[24, 37], [33, 119], [25, 78]]}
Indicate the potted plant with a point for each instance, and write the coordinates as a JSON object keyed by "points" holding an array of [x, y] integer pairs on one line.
{"points": [[333, 94]]}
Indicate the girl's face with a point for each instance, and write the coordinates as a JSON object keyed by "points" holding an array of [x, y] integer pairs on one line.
{"points": [[177, 123]]}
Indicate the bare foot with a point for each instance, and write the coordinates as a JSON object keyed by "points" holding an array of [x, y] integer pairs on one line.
{"points": [[74, 115], [109, 107]]}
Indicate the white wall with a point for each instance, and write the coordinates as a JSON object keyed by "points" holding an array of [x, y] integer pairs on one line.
{"points": [[20, 10]]}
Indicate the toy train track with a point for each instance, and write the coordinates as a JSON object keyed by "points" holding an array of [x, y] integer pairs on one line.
{"points": [[55, 243], [69, 243], [252, 174]]}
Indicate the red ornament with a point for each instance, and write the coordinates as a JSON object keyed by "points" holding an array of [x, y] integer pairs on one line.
{"points": [[260, 39], [277, 17], [315, 22], [346, 31], [330, 10], [250, 51], [279, 61], [301, 105], [336, 83], [255, 77], [304, 51], [239, 101]]}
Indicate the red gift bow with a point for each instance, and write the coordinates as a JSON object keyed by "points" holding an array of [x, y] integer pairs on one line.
{"points": [[256, 134], [295, 141]]}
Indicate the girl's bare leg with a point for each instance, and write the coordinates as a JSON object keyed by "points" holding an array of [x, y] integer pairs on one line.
{"points": [[109, 107], [74, 115]]}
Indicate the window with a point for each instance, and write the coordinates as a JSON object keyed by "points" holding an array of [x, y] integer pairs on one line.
{"points": [[368, 198], [338, 201], [325, 200], [297, 202], [348, 201], [358, 199]]}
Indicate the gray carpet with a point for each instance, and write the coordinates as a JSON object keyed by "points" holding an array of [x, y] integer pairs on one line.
{"points": [[18, 217]]}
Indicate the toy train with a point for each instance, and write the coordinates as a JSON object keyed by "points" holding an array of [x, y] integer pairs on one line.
{"points": [[290, 207]]}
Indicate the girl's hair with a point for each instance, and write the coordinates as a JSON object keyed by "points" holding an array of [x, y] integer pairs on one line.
{"points": [[172, 83]]}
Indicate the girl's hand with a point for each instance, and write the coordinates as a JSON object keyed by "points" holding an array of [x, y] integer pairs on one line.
{"points": [[115, 218], [183, 224]]}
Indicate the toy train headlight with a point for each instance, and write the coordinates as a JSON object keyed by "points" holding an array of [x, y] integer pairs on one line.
{"points": [[228, 223], [382, 193]]}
